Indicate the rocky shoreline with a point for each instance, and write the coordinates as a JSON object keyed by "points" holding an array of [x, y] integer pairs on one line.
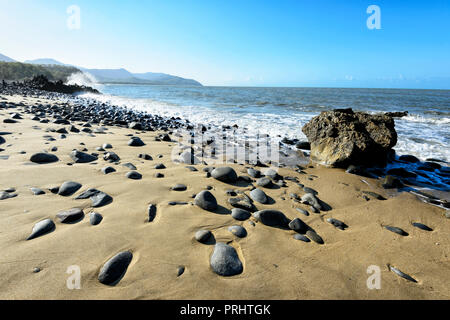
{"points": [[167, 224]]}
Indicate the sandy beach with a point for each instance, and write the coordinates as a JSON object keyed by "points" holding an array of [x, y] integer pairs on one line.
{"points": [[275, 265]]}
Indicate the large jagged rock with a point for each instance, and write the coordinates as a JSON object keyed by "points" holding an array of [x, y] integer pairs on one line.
{"points": [[342, 137]]}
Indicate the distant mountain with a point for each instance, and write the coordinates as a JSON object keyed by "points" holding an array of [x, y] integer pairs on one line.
{"points": [[45, 61], [124, 76], [18, 71], [6, 59]]}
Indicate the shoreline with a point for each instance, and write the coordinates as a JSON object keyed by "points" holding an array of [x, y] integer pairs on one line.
{"points": [[275, 265]]}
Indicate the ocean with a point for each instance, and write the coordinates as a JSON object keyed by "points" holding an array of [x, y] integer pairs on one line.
{"points": [[281, 112]]}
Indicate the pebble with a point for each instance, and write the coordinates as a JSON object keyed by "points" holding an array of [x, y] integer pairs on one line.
{"points": [[273, 218], [179, 187], [136, 142], [225, 260], [151, 212], [302, 211], [253, 173], [311, 199], [87, 194], [401, 274], [134, 175], [145, 156], [129, 165], [107, 146], [397, 230], [159, 175], [82, 157], [68, 188], [224, 174], [338, 224], [258, 195], [108, 169], [264, 182], [41, 228], [70, 216], [314, 236], [240, 214], [43, 158], [95, 218], [238, 231], [160, 166], [301, 237], [111, 157], [115, 268], [7, 195], [421, 226], [206, 200], [100, 199], [180, 270], [37, 191], [298, 225], [203, 235]]}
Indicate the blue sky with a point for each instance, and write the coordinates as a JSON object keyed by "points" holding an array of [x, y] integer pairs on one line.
{"points": [[245, 43]]}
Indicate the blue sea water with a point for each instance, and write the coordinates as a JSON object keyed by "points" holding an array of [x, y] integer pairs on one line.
{"points": [[281, 112]]}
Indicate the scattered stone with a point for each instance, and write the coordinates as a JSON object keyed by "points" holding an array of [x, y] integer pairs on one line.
{"points": [[397, 230], [134, 175], [264, 182], [302, 211], [151, 212], [314, 236], [111, 157], [68, 188], [408, 158], [238, 231], [271, 173], [159, 175], [311, 199], [87, 194], [136, 142], [242, 203], [129, 165], [37, 191], [160, 166], [224, 174], [180, 270], [43, 158], [179, 187], [145, 156], [273, 218], [107, 146], [203, 235], [100, 199], [7, 195], [108, 169], [421, 226], [401, 274], [298, 225], [338, 224], [95, 218], [374, 195], [253, 173], [206, 200], [225, 260], [81, 157], [258, 195], [301, 237], [401, 172], [391, 182], [240, 214], [41, 228], [114, 269], [70, 216]]}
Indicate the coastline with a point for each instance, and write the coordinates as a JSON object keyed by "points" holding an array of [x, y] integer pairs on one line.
{"points": [[276, 266]]}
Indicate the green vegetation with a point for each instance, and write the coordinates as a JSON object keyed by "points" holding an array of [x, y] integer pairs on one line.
{"points": [[17, 71]]}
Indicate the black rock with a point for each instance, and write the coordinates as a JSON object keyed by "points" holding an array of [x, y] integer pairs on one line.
{"points": [[43, 158], [238, 231], [203, 235], [145, 156], [409, 158], [314, 236], [82, 157], [264, 182], [224, 174], [401, 274], [136, 142], [100, 199], [134, 175], [108, 169], [391, 182], [41, 228], [111, 157], [179, 187], [206, 200], [70, 216], [273, 218], [397, 230], [401, 172], [258, 195], [421, 226], [338, 224], [301, 237], [87, 194], [253, 173], [298, 225], [114, 269], [151, 212], [302, 211], [225, 260], [240, 214], [160, 166], [95, 218], [37, 191], [68, 188]]}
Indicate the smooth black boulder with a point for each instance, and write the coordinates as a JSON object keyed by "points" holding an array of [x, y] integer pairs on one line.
{"points": [[206, 200], [41, 228], [82, 157], [136, 142], [272, 218], [70, 216], [240, 214], [115, 268], [68, 188], [43, 158], [100, 199], [224, 174], [95, 218]]}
